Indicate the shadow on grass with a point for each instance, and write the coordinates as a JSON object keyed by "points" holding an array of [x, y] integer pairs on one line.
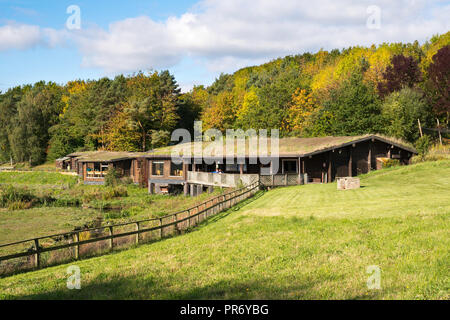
{"points": [[227, 212], [144, 288]]}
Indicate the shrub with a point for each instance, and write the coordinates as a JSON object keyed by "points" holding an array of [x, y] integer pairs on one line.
{"points": [[391, 163], [104, 194], [126, 181], [112, 177], [435, 153], [423, 145], [19, 205], [15, 197], [117, 214]]}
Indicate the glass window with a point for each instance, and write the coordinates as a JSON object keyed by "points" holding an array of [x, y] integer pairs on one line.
{"points": [[290, 166], [235, 167], [176, 169], [158, 168]]}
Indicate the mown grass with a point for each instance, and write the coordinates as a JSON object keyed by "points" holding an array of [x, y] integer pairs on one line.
{"points": [[303, 242]]}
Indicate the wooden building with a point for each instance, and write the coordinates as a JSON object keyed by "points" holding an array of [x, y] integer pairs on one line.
{"points": [[298, 161]]}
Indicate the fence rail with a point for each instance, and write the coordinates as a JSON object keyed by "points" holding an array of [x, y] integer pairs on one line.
{"points": [[134, 231], [286, 179]]}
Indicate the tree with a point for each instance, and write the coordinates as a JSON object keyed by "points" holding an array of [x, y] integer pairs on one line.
{"points": [[153, 104], [190, 107], [247, 114], [403, 72], [438, 84], [300, 112], [220, 114], [401, 110], [355, 108], [119, 135], [29, 137]]}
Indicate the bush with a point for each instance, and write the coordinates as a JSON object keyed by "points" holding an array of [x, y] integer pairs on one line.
{"points": [[423, 145], [435, 153], [391, 163], [112, 178], [16, 197], [103, 194], [126, 181]]}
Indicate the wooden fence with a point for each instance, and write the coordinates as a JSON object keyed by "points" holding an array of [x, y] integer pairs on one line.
{"points": [[89, 242]]}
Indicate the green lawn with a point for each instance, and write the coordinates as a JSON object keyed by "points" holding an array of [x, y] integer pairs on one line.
{"points": [[303, 242]]}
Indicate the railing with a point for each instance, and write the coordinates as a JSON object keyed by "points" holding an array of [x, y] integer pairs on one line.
{"points": [[287, 179], [228, 180], [88, 242]]}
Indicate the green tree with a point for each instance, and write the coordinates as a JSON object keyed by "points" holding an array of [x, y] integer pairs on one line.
{"points": [[401, 111], [355, 107]]}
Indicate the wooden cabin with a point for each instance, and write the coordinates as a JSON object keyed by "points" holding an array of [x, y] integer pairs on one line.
{"points": [[298, 161]]}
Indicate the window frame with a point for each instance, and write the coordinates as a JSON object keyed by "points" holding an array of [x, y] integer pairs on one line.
{"points": [[162, 169]]}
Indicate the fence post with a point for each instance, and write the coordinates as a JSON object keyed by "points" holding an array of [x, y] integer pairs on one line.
{"points": [[160, 228], [137, 234], [189, 218], [37, 256], [197, 215], [177, 227], [77, 247], [111, 240]]}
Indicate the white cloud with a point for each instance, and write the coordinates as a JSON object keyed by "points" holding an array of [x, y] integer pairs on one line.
{"points": [[14, 36], [229, 34], [22, 36]]}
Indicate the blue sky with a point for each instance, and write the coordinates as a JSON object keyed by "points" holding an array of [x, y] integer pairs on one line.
{"points": [[195, 40]]}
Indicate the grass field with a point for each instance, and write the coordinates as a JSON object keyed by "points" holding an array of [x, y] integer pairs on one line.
{"points": [[93, 202], [302, 242]]}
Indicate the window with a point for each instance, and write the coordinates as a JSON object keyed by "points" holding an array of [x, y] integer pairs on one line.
{"points": [[96, 169], [235, 167], [176, 170], [289, 166], [157, 168]]}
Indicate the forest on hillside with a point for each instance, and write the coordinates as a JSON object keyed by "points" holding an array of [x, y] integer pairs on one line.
{"points": [[378, 89]]}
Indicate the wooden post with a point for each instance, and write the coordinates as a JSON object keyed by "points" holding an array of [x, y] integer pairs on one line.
{"points": [[189, 220], [77, 247], [330, 159], [439, 131], [37, 256], [350, 162], [369, 158], [175, 218], [299, 171], [151, 188], [160, 228], [111, 240], [420, 128], [137, 234]]}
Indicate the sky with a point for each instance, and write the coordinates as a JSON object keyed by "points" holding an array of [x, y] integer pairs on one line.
{"points": [[59, 40]]}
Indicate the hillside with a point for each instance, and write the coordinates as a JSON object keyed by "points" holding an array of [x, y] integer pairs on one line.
{"points": [[301, 242], [354, 91]]}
